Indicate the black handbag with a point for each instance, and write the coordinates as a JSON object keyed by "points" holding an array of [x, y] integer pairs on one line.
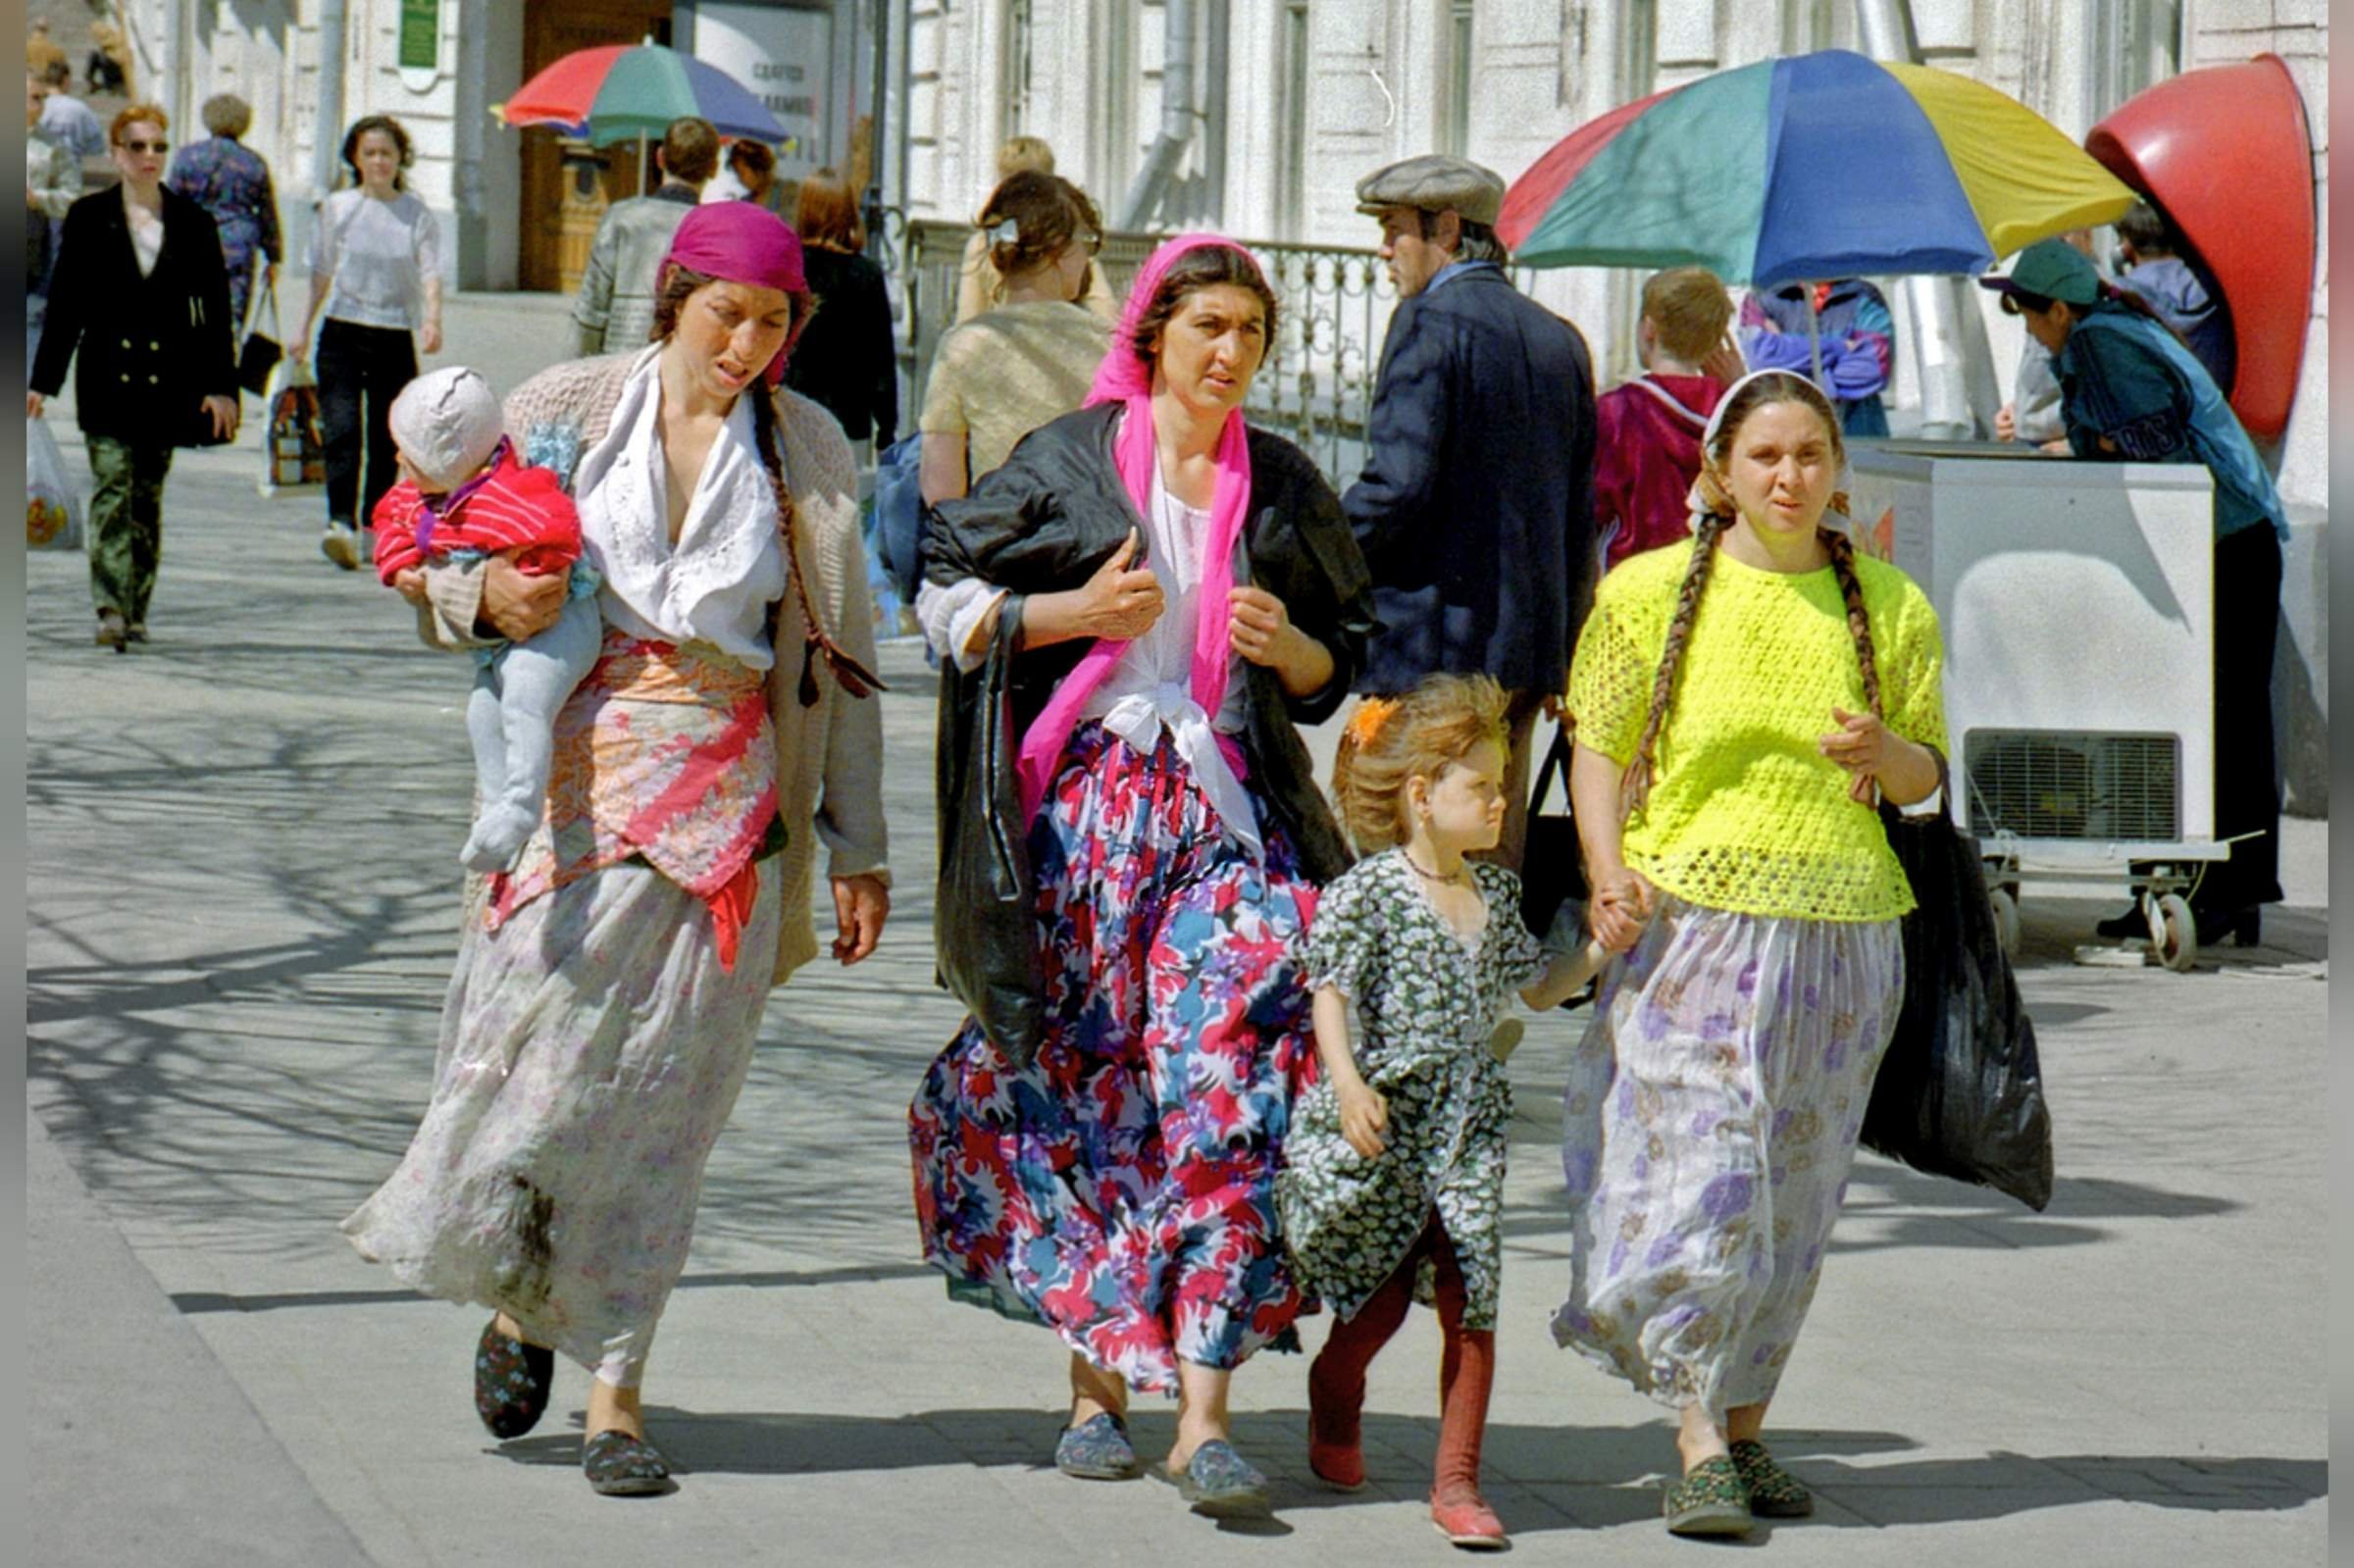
{"points": [[260, 353], [987, 939], [1960, 1092], [1552, 866]]}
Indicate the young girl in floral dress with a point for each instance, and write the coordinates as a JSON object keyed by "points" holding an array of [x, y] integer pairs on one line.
{"points": [[1395, 1177]]}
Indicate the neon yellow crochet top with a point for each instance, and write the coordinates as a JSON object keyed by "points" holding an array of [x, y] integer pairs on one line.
{"points": [[1743, 813]]}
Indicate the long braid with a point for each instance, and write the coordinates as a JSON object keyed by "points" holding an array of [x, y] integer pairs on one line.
{"points": [[1842, 551], [1635, 786], [852, 676]]}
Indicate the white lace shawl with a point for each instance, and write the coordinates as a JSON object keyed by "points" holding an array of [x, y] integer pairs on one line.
{"points": [[715, 586]]}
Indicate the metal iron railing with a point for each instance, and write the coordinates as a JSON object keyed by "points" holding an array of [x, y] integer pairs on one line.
{"points": [[1317, 381]]}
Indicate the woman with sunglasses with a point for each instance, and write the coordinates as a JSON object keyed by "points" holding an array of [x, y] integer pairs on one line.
{"points": [[140, 302]]}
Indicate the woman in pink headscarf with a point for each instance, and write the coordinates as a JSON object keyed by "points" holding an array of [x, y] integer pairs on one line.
{"points": [[610, 984], [1155, 594]]}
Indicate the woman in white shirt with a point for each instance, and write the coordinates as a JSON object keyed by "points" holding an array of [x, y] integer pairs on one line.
{"points": [[609, 985], [376, 277], [1149, 596]]}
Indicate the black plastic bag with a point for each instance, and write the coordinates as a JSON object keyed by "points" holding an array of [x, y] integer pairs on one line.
{"points": [[1960, 1092], [986, 938], [1552, 866]]}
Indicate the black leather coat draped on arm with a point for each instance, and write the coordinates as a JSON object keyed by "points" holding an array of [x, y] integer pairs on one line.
{"points": [[1046, 522]]}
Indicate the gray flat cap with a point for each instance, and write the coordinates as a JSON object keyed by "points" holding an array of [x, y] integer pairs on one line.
{"points": [[1435, 182], [447, 422]]}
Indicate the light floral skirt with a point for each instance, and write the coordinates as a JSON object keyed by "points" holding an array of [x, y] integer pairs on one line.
{"points": [[1710, 1124], [591, 1049]]}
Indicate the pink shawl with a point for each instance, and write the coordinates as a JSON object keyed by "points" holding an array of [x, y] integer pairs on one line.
{"points": [[1123, 378]]}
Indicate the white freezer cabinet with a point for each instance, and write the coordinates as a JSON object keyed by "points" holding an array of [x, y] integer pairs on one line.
{"points": [[2077, 606]]}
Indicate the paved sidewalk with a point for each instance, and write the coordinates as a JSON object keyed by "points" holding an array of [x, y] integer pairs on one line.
{"points": [[241, 896]]}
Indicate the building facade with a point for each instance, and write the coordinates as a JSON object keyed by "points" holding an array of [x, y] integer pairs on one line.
{"points": [[1296, 99], [512, 202]]}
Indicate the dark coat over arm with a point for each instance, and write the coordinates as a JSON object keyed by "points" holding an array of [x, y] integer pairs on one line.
{"points": [[1044, 522]]}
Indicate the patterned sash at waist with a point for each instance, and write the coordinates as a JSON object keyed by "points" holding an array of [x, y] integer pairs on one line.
{"points": [[663, 752]]}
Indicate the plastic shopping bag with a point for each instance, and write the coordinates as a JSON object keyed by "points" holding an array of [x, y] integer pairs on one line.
{"points": [[1960, 1092], [293, 450], [52, 509]]}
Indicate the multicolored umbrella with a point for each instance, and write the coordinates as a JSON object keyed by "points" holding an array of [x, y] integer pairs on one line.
{"points": [[1826, 165], [621, 92]]}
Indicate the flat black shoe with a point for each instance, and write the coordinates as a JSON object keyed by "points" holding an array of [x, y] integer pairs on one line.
{"points": [[619, 1465], [2245, 927], [511, 1381]]}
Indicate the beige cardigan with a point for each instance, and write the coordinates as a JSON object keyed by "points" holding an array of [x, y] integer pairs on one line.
{"points": [[829, 756]]}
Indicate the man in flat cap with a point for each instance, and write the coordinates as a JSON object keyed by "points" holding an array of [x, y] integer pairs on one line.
{"points": [[1475, 506]]}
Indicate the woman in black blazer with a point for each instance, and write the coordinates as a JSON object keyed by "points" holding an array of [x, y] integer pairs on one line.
{"points": [[141, 301]]}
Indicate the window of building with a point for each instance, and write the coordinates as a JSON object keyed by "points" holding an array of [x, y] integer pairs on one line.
{"points": [[1638, 49], [2135, 45], [1290, 184], [1455, 135], [1019, 29], [1807, 25]]}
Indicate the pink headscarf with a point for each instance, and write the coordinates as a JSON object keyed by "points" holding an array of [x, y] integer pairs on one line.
{"points": [[742, 243], [1124, 378]]}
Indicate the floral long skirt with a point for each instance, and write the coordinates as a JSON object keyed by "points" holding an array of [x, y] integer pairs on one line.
{"points": [[591, 1049], [1120, 1190], [1710, 1124]]}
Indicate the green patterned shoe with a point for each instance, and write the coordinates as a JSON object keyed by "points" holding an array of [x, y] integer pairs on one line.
{"points": [[1709, 1501], [1774, 1492]]}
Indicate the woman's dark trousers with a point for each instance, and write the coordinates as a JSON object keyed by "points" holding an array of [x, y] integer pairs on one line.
{"points": [[361, 370], [127, 523], [2247, 792]]}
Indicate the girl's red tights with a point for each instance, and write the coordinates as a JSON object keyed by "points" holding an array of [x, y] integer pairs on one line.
{"points": [[1336, 1382]]}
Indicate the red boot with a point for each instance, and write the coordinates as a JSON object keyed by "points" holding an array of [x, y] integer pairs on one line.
{"points": [[1336, 1382], [1457, 1508], [1467, 1374]]}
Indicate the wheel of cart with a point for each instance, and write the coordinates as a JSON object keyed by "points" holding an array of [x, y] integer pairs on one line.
{"points": [[2002, 893]]}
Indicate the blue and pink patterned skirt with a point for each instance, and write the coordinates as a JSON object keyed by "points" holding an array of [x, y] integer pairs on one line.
{"points": [[1120, 1190]]}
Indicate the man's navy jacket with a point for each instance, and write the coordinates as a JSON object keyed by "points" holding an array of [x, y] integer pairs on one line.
{"points": [[1475, 507]]}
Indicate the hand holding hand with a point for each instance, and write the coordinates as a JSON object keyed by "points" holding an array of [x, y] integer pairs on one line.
{"points": [[1620, 907], [1117, 603], [1364, 1119], [861, 904], [517, 605]]}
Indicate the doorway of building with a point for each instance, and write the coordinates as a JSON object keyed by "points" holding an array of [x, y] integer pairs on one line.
{"points": [[567, 184]]}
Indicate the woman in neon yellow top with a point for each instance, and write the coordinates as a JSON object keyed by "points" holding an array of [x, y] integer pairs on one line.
{"points": [[1740, 701]]}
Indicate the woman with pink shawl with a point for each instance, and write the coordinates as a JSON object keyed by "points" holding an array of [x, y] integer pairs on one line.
{"points": [[1151, 596]]}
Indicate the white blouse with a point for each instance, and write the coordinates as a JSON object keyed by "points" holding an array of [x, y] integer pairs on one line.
{"points": [[379, 254], [1151, 687], [716, 584]]}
